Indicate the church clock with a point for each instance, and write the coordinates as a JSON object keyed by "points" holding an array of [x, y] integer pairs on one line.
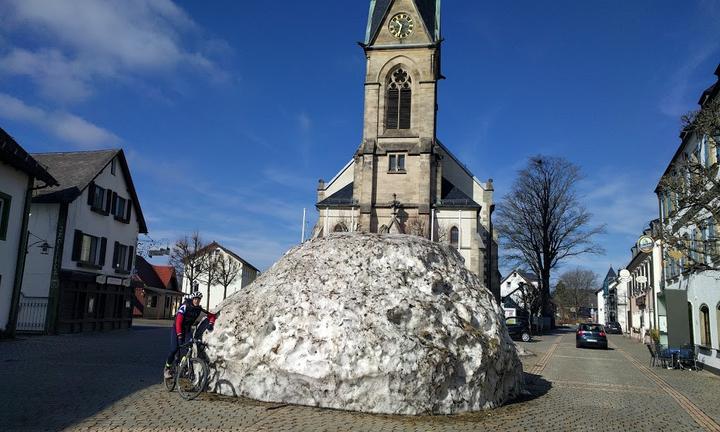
{"points": [[401, 25]]}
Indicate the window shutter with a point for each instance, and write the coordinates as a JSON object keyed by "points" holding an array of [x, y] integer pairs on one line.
{"points": [[131, 255], [115, 255], [405, 108], [91, 193], [77, 245], [391, 119], [103, 250], [128, 204]]}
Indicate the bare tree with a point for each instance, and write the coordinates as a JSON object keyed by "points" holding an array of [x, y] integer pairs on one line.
{"points": [[541, 221], [415, 226], [183, 258], [531, 300], [575, 290], [690, 195], [228, 270], [209, 260]]}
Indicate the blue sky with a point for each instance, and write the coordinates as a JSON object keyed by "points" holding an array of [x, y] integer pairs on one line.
{"points": [[231, 111]]}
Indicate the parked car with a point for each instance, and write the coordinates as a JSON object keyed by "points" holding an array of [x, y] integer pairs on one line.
{"points": [[519, 329], [613, 328], [591, 335]]}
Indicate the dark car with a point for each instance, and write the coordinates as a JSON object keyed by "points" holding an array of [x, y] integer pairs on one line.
{"points": [[613, 328], [591, 335], [518, 328]]}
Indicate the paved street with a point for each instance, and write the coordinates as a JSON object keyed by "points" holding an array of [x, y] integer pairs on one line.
{"points": [[112, 381]]}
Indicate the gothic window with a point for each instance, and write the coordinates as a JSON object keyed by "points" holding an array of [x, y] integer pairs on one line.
{"points": [[399, 100], [454, 237], [705, 325]]}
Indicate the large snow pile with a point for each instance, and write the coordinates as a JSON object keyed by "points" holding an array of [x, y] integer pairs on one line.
{"points": [[374, 323]]}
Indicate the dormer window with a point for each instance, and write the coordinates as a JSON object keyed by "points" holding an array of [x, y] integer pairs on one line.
{"points": [[399, 100]]}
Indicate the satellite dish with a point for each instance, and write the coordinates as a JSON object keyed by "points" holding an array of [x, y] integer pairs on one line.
{"points": [[641, 279], [624, 275]]}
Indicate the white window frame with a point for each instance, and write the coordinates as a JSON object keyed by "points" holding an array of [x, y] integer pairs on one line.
{"points": [[395, 161]]}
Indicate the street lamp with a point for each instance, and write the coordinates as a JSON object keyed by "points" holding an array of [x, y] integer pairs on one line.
{"points": [[41, 243]]}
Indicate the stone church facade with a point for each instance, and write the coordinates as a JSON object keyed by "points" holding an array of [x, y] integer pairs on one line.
{"points": [[402, 179]]}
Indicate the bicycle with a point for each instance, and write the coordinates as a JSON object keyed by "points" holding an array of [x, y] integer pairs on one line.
{"points": [[190, 373]]}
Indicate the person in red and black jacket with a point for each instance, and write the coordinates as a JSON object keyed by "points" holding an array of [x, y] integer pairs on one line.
{"points": [[185, 317]]}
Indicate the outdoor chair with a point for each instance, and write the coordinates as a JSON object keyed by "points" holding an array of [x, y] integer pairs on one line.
{"points": [[691, 359], [663, 356], [653, 355]]}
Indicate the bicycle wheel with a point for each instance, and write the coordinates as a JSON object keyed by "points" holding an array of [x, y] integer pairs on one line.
{"points": [[170, 382], [192, 377]]}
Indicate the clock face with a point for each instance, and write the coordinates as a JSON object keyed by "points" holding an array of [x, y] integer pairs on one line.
{"points": [[401, 25]]}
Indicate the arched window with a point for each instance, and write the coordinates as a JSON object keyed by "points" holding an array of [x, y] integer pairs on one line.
{"points": [[399, 100], [454, 237], [705, 326], [340, 228]]}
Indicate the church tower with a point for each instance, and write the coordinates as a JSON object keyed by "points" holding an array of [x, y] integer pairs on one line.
{"points": [[402, 179], [394, 166]]}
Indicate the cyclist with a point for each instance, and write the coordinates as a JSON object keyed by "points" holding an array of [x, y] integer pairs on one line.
{"points": [[185, 317]]}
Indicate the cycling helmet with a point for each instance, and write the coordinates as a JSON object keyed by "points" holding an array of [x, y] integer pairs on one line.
{"points": [[196, 295]]}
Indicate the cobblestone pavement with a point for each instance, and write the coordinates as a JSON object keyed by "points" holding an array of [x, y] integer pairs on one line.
{"points": [[111, 381]]}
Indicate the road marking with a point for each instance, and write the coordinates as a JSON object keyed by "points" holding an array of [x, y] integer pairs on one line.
{"points": [[540, 366], [588, 358], [703, 420]]}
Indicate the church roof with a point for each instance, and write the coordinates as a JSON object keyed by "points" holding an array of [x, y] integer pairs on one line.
{"points": [[343, 197], [429, 10], [451, 196]]}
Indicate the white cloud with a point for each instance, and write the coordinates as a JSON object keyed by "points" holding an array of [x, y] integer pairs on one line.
{"points": [[82, 41], [63, 125]]}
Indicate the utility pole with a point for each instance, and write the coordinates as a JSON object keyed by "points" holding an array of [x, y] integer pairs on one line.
{"points": [[302, 236]]}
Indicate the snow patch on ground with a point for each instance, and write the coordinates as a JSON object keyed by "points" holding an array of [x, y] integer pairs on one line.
{"points": [[374, 323]]}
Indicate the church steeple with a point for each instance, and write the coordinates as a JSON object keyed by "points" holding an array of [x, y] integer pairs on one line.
{"points": [[429, 10]]}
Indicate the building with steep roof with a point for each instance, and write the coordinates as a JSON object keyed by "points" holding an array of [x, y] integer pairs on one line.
{"points": [[157, 291], [228, 274], [19, 173], [402, 179], [91, 221]]}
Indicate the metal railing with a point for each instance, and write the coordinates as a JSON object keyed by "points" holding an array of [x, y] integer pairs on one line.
{"points": [[31, 314]]}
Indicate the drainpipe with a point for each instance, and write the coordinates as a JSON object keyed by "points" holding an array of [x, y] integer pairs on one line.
{"points": [[489, 249]]}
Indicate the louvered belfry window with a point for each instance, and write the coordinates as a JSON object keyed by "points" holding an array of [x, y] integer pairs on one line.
{"points": [[399, 100]]}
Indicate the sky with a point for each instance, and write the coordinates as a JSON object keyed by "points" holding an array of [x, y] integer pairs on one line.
{"points": [[230, 111]]}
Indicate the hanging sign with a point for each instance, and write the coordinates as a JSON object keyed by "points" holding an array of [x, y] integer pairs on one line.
{"points": [[645, 244]]}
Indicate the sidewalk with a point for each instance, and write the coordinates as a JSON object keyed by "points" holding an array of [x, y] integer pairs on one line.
{"points": [[701, 387], [142, 322]]}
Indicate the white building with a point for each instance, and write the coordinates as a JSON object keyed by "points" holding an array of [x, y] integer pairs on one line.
{"points": [[91, 221], [690, 293], [238, 274], [18, 174], [510, 286], [601, 316]]}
